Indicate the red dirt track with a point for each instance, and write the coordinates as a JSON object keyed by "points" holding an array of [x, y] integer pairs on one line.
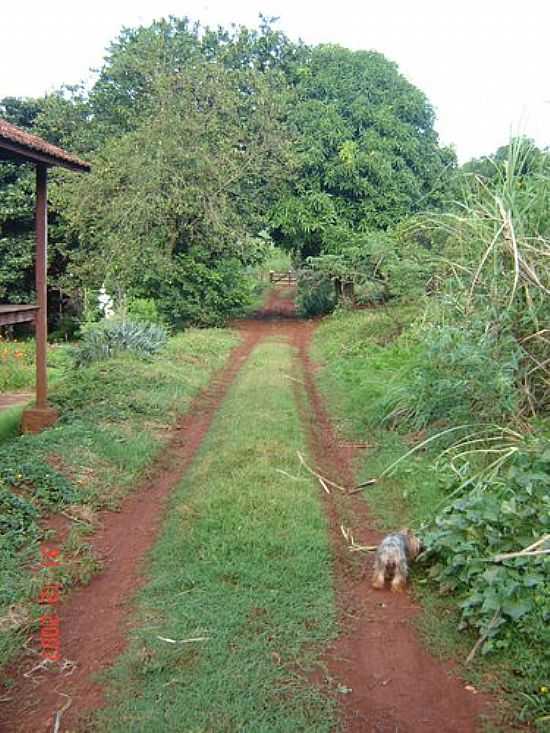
{"points": [[396, 685]]}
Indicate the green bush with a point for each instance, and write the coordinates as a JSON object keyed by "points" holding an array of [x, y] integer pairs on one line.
{"points": [[501, 514], [113, 337], [144, 310], [460, 373], [316, 294], [203, 293]]}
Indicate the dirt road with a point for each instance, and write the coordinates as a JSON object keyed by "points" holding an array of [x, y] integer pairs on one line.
{"points": [[392, 683]]}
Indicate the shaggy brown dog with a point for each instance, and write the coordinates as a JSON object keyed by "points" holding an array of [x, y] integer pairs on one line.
{"points": [[393, 556]]}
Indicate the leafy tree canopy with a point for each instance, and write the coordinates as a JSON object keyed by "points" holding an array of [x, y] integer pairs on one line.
{"points": [[201, 139], [368, 153]]}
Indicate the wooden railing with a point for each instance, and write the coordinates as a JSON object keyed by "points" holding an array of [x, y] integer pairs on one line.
{"points": [[11, 314]]}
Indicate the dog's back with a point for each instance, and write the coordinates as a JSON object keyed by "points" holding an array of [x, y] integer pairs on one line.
{"points": [[390, 553], [392, 559]]}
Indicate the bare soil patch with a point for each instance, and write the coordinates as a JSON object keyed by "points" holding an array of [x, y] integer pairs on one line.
{"points": [[15, 398]]}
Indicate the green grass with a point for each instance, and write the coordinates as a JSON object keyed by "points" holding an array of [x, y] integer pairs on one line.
{"points": [[17, 364], [10, 420], [244, 561], [364, 354], [115, 417]]}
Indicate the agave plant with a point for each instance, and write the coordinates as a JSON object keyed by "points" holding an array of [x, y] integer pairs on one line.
{"points": [[113, 337]]}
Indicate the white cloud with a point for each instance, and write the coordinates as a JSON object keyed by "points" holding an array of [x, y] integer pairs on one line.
{"points": [[482, 63]]}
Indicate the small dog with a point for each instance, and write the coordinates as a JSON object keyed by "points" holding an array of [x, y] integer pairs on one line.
{"points": [[392, 559]]}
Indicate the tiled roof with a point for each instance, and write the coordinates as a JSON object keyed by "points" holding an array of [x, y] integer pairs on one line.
{"points": [[24, 145]]}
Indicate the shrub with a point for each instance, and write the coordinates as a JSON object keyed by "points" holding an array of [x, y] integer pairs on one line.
{"points": [[316, 294], [113, 337], [203, 293], [501, 514], [144, 310], [460, 373]]}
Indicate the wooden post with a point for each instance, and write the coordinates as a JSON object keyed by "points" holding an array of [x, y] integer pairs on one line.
{"points": [[41, 285], [35, 419]]}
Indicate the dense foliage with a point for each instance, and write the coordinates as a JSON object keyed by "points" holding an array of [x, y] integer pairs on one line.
{"points": [[366, 148], [501, 515], [204, 140]]}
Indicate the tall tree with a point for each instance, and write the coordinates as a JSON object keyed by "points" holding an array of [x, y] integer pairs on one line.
{"points": [[368, 153], [191, 183]]}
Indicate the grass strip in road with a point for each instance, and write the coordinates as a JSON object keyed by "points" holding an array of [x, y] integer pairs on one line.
{"points": [[243, 567]]}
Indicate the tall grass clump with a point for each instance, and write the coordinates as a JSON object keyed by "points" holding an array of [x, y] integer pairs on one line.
{"points": [[458, 373], [494, 263]]}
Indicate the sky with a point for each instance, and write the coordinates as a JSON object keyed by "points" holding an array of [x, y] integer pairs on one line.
{"points": [[482, 63]]}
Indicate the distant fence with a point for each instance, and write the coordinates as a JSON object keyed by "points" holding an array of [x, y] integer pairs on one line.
{"points": [[289, 278]]}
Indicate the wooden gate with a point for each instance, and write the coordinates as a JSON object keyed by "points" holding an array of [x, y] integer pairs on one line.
{"points": [[288, 278]]}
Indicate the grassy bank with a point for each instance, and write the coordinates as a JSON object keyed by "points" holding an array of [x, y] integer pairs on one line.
{"points": [[243, 565], [115, 417], [359, 371], [10, 420], [366, 358]]}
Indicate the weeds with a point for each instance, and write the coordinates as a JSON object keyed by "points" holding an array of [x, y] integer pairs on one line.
{"points": [[490, 257], [16, 364]]}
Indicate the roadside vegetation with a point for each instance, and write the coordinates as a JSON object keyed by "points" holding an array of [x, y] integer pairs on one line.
{"points": [[10, 421], [240, 602], [451, 386], [17, 364], [115, 417]]}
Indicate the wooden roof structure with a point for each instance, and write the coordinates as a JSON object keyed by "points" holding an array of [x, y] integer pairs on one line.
{"points": [[23, 147], [20, 146]]}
